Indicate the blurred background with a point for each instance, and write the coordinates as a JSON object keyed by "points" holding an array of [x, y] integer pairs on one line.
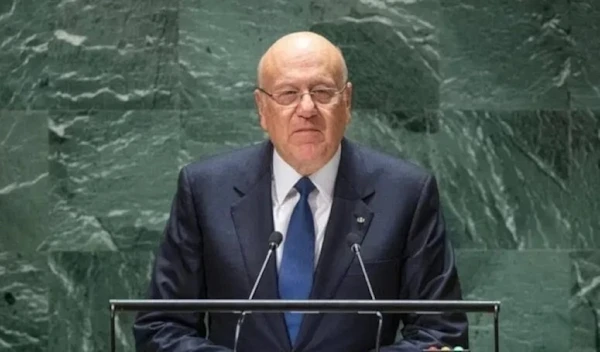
{"points": [[102, 101]]}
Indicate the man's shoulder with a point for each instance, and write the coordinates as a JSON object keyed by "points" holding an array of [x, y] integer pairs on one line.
{"points": [[390, 166], [227, 163]]}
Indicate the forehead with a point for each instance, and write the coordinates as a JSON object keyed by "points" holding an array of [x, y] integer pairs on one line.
{"points": [[303, 66]]}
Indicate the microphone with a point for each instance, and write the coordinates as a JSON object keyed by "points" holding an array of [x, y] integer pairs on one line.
{"points": [[353, 242], [274, 241]]}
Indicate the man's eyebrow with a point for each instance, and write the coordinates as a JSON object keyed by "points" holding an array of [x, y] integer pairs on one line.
{"points": [[284, 86], [283, 82], [318, 82]]}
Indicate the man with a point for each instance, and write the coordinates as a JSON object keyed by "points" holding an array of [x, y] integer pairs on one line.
{"points": [[315, 187]]}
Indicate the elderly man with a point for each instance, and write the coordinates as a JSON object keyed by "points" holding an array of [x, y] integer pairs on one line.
{"points": [[315, 187]]}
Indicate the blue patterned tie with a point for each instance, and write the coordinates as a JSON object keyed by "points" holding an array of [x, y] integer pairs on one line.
{"points": [[297, 262]]}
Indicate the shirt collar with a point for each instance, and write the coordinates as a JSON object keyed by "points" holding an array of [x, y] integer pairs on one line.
{"points": [[285, 177]]}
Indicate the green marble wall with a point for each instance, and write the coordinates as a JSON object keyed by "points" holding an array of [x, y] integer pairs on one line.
{"points": [[102, 101]]}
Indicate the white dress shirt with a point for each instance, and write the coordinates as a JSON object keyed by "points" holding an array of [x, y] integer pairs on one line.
{"points": [[285, 197]]}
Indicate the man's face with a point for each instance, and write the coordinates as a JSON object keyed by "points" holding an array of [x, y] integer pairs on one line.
{"points": [[307, 133]]}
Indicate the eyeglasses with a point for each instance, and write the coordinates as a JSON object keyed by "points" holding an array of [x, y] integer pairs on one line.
{"points": [[292, 97]]}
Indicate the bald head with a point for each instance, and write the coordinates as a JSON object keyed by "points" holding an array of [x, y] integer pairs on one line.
{"points": [[297, 48]]}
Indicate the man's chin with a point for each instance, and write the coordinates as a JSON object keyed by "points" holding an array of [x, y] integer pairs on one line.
{"points": [[308, 137], [307, 152], [310, 158]]}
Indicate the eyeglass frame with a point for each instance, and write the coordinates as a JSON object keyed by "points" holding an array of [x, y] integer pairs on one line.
{"points": [[301, 95]]}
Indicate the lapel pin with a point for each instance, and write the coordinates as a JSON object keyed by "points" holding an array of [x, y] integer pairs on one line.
{"points": [[360, 220]]}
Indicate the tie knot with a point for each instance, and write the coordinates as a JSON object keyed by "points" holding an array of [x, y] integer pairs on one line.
{"points": [[304, 186]]}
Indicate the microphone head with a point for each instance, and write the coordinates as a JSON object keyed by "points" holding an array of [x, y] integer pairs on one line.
{"points": [[352, 239], [275, 239]]}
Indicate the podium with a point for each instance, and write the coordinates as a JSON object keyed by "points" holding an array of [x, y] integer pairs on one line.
{"points": [[243, 306]]}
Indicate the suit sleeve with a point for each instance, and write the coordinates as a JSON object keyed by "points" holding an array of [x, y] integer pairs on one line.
{"points": [[178, 273], [430, 273]]}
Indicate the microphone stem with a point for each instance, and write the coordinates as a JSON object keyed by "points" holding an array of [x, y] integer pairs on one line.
{"points": [[238, 326], [262, 270], [362, 267], [356, 250], [379, 327]]}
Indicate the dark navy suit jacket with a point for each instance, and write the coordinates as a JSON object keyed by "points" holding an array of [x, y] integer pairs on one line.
{"points": [[216, 239]]}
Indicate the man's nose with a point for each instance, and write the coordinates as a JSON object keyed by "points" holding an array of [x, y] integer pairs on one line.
{"points": [[306, 106]]}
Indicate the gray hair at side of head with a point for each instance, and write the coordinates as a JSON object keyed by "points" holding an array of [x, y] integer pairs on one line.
{"points": [[261, 64]]}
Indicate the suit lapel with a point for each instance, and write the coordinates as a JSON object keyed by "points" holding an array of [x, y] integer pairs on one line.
{"points": [[253, 220], [349, 213]]}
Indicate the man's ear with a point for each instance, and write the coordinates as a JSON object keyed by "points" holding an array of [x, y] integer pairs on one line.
{"points": [[348, 95], [260, 108]]}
